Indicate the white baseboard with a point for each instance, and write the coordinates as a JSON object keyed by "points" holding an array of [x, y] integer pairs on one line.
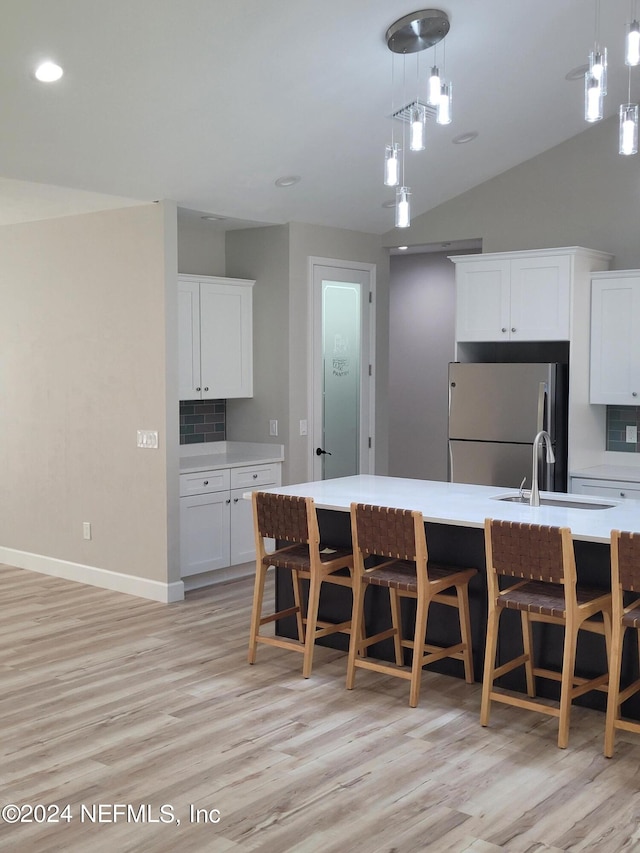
{"points": [[115, 581]]}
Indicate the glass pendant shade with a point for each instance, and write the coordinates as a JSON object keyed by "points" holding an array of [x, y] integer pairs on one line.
{"points": [[418, 128], [403, 209], [593, 98], [433, 95], [628, 129], [391, 165], [632, 52], [443, 114], [598, 67]]}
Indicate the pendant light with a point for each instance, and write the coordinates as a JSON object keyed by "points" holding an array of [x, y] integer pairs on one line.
{"points": [[412, 34], [595, 79], [443, 115], [593, 98], [628, 129], [632, 41]]}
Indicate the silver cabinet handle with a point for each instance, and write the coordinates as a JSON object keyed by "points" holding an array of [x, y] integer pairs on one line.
{"points": [[228, 501], [504, 328], [513, 328], [207, 388], [255, 476], [206, 483], [235, 500], [622, 495], [634, 393], [198, 389]]}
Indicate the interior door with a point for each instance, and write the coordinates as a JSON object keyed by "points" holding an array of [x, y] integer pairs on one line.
{"points": [[342, 382]]}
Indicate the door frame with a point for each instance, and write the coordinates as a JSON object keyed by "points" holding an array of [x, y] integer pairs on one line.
{"points": [[314, 402]]}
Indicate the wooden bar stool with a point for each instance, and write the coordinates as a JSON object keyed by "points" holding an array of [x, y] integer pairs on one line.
{"points": [[625, 577], [542, 559], [292, 522], [399, 536]]}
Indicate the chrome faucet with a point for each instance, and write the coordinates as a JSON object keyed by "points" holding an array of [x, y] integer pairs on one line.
{"points": [[544, 438]]}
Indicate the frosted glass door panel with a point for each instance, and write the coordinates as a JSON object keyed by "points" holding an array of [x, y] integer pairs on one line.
{"points": [[341, 356]]}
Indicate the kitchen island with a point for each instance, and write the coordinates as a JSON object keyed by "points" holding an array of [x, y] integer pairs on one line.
{"points": [[454, 515]]}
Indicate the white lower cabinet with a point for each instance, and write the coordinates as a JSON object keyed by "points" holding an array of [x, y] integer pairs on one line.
{"points": [[216, 522], [616, 489]]}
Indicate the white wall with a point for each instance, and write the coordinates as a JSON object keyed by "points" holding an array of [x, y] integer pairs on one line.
{"points": [[87, 332], [201, 248]]}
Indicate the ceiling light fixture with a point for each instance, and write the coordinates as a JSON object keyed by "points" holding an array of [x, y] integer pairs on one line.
{"points": [[288, 180], [595, 83], [48, 72], [463, 138], [414, 33]]}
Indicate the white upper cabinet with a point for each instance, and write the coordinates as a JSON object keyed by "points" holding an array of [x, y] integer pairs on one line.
{"points": [[615, 338], [215, 337], [514, 296]]}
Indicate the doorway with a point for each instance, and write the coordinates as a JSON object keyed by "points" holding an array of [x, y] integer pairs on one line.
{"points": [[342, 357]]}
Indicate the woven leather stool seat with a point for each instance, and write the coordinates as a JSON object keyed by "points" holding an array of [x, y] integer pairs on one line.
{"points": [[293, 523], [539, 563], [625, 577], [398, 537]]}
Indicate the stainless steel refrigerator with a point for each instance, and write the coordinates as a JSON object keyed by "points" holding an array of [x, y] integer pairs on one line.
{"points": [[495, 412]]}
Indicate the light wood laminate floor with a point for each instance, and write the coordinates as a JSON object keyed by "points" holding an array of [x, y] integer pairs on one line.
{"points": [[110, 699]]}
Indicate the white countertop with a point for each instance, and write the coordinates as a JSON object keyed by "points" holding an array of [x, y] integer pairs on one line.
{"points": [[212, 455], [629, 473], [468, 505]]}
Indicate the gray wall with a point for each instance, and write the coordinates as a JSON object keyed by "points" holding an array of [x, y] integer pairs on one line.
{"points": [[421, 345], [277, 257], [580, 193], [88, 354], [201, 248]]}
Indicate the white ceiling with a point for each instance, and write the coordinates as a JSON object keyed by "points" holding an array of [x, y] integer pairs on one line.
{"points": [[207, 102]]}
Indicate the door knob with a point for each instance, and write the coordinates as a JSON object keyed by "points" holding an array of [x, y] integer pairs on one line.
{"points": [[321, 452]]}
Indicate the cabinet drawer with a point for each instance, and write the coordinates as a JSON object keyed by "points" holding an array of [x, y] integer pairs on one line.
{"points": [[616, 489], [203, 482], [256, 475]]}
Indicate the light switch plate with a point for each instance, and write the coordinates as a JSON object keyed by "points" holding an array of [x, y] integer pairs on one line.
{"points": [[632, 434], [273, 427], [148, 438]]}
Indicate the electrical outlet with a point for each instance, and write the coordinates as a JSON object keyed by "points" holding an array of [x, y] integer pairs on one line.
{"points": [[148, 438], [632, 434], [273, 427], [86, 530]]}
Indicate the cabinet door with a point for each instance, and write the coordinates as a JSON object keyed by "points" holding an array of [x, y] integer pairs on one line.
{"points": [[204, 533], [540, 298], [243, 548], [189, 340], [615, 341], [482, 301], [226, 340]]}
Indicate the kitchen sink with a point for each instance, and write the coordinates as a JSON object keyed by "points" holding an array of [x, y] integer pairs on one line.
{"points": [[567, 502]]}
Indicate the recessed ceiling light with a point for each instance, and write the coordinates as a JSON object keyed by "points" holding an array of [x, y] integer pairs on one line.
{"points": [[212, 218], [48, 72], [388, 204], [465, 137], [288, 180], [576, 73], [403, 248]]}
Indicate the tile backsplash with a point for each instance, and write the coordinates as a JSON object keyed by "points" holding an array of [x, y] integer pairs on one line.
{"points": [[202, 420], [618, 419]]}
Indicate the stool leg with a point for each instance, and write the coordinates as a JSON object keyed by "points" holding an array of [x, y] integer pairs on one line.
{"points": [[358, 633], [527, 645], [396, 621], [493, 622], [566, 684], [312, 619], [462, 591], [613, 700], [256, 610], [419, 638], [297, 598]]}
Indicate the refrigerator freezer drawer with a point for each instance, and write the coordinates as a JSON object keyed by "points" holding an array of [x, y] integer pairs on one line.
{"points": [[484, 462]]}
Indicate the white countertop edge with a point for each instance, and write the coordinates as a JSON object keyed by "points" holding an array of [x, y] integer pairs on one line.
{"points": [[463, 505], [210, 456]]}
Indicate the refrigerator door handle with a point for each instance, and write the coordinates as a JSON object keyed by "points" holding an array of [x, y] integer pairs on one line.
{"points": [[542, 396]]}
